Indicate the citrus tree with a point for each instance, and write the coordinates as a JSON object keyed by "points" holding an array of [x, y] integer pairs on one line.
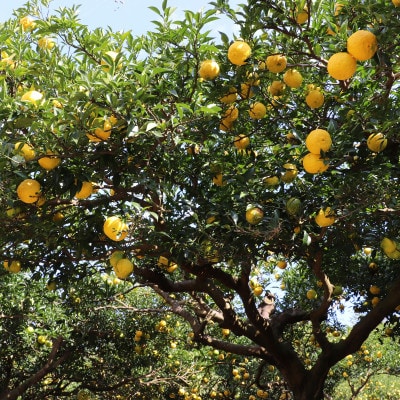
{"points": [[249, 181]]}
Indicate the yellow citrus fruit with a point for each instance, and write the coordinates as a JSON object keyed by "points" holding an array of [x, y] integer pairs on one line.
{"points": [[311, 294], [246, 91], [28, 190], [388, 245], [377, 142], [271, 181], [101, 132], [362, 45], [318, 140], [337, 9], [258, 291], [218, 179], [315, 98], [276, 88], [25, 150], [314, 164], [170, 266], [342, 66], [276, 63], [50, 161], [58, 216], [123, 268], [231, 114], [396, 3], [282, 264], [85, 191], [115, 257], [293, 78], [302, 16], [257, 110], [239, 52], [290, 173], [253, 78], [46, 43], [27, 23], [230, 97], [115, 229], [325, 217], [330, 31], [241, 141], [14, 267], [32, 96], [225, 125], [209, 69], [395, 255], [254, 215]]}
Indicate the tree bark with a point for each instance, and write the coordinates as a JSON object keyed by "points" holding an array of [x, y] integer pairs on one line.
{"points": [[51, 364]]}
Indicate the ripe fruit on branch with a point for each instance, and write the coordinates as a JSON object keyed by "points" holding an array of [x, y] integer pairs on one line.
{"points": [[209, 69], [28, 191], [241, 142], [315, 98], [115, 229], [230, 97], [164, 262], [123, 268], [115, 257], [25, 150], [377, 142], [238, 52], [282, 264], [390, 248], [302, 16], [257, 110], [314, 164], [276, 63], [325, 217], [101, 131], [293, 78], [254, 215], [318, 140], [276, 88], [342, 66], [362, 45], [13, 267], [311, 294], [85, 191], [50, 161], [231, 114]]}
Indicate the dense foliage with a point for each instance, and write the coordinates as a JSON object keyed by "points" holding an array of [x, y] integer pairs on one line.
{"points": [[123, 152]]}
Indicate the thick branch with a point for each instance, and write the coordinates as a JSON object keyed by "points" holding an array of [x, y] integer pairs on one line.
{"points": [[51, 364], [368, 323]]}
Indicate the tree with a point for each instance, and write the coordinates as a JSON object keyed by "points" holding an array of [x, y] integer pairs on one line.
{"points": [[204, 164]]}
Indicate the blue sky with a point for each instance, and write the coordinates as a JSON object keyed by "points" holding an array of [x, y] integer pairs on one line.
{"points": [[123, 15]]}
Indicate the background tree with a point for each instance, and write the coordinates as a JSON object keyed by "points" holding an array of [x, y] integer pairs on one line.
{"points": [[198, 167]]}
